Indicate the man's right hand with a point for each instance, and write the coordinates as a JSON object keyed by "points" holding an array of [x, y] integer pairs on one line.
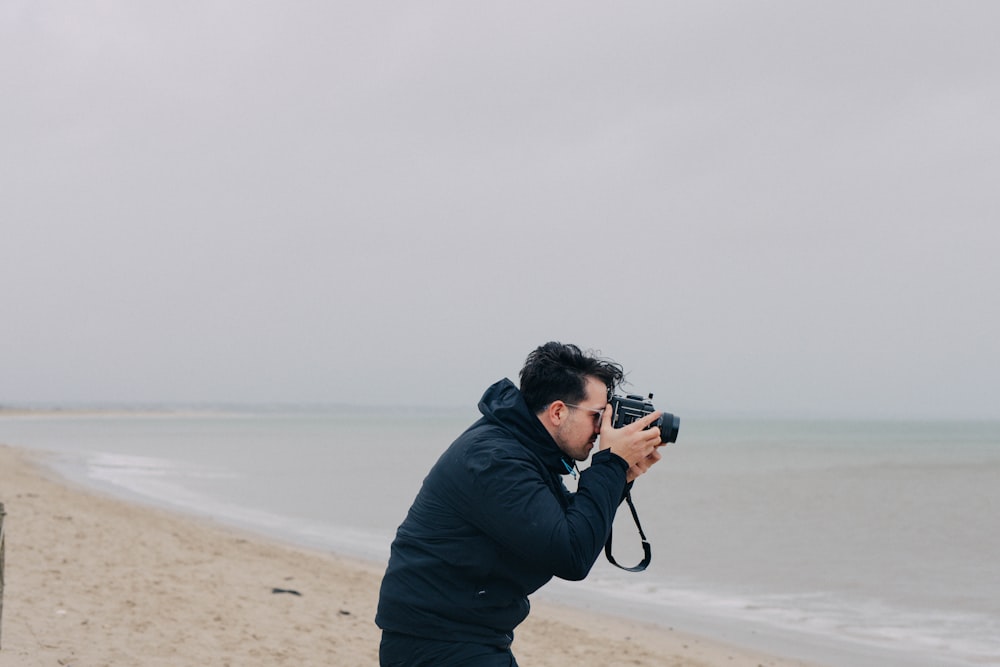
{"points": [[634, 442]]}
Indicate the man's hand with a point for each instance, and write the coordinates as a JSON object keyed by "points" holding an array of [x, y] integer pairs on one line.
{"points": [[642, 466], [634, 443]]}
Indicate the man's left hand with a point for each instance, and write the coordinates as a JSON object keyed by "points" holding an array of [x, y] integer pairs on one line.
{"points": [[642, 466]]}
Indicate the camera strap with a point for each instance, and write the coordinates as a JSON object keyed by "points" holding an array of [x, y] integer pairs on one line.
{"points": [[647, 552]]}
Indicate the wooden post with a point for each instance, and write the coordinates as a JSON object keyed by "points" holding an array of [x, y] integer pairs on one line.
{"points": [[1, 571]]}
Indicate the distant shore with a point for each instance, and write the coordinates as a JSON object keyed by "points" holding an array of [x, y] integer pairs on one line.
{"points": [[96, 580], [112, 410], [220, 409]]}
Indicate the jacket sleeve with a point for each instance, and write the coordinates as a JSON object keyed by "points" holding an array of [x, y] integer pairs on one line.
{"points": [[511, 501]]}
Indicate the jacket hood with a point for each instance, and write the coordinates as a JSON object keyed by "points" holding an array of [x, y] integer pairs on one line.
{"points": [[503, 405]]}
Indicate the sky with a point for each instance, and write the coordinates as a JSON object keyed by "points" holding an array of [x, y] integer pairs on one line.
{"points": [[757, 208]]}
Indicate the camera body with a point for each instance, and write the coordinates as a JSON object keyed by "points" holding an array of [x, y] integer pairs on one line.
{"points": [[627, 409]]}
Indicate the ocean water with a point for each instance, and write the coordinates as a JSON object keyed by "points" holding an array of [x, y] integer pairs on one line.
{"points": [[846, 543]]}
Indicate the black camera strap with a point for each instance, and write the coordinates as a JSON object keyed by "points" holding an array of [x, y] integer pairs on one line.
{"points": [[648, 554]]}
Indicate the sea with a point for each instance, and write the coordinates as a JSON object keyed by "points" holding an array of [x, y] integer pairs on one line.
{"points": [[855, 543]]}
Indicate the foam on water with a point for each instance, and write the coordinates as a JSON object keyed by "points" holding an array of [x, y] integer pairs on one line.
{"points": [[864, 632], [166, 483]]}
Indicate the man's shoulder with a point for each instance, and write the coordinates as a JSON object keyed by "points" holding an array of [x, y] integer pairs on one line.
{"points": [[486, 445]]}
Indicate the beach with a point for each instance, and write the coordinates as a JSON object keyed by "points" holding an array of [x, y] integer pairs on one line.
{"points": [[94, 580]]}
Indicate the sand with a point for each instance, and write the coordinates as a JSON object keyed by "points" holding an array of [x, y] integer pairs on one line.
{"points": [[92, 580]]}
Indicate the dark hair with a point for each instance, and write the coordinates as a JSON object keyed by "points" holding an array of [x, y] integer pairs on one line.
{"points": [[559, 372]]}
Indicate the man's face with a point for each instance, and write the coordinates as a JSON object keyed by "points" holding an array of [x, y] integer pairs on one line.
{"points": [[577, 433]]}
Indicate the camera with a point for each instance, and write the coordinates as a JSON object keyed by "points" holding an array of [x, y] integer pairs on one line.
{"points": [[626, 409]]}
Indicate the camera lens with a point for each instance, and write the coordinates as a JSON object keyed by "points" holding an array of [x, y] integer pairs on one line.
{"points": [[669, 426]]}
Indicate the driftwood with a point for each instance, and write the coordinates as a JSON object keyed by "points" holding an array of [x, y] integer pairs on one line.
{"points": [[1, 571]]}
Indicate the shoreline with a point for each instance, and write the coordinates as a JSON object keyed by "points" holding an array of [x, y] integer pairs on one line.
{"points": [[94, 579]]}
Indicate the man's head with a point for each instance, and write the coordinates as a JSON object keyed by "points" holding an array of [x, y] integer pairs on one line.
{"points": [[568, 390]]}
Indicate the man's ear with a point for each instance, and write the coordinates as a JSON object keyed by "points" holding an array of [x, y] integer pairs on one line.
{"points": [[555, 414]]}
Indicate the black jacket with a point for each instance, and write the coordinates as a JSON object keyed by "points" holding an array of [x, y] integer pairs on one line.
{"points": [[491, 524]]}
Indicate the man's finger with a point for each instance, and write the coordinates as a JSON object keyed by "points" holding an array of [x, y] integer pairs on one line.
{"points": [[640, 424]]}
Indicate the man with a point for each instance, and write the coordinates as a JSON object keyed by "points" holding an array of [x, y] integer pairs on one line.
{"points": [[493, 520]]}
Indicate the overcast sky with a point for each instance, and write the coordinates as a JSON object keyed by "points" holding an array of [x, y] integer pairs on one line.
{"points": [[780, 208]]}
